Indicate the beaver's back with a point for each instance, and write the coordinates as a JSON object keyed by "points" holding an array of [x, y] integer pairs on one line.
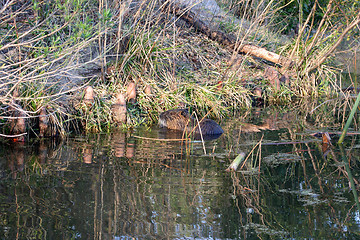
{"points": [[209, 127], [179, 119]]}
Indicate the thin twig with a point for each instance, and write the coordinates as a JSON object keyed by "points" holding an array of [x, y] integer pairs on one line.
{"points": [[13, 136], [165, 140]]}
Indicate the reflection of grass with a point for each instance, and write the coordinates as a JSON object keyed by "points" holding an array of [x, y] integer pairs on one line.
{"points": [[175, 189], [281, 158], [290, 196]]}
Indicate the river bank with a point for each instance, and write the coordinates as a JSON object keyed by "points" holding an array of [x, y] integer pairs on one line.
{"points": [[82, 67]]}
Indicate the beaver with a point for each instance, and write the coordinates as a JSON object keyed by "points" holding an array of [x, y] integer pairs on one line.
{"points": [[180, 119]]}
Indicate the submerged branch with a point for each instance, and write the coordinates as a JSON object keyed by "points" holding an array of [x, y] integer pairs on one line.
{"points": [[165, 140]]}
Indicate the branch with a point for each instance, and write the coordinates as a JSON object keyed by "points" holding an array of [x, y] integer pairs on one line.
{"points": [[225, 39]]}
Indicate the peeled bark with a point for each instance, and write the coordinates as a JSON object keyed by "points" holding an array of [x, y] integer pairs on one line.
{"points": [[265, 54], [18, 124], [43, 123], [119, 109]]}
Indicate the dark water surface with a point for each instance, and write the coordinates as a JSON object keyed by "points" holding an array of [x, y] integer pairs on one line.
{"points": [[116, 186]]}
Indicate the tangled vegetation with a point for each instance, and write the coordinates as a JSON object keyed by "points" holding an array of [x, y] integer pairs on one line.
{"points": [[51, 50]]}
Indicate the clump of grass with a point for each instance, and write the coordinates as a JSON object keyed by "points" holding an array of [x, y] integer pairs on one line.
{"points": [[312, 42], [45, 46], [315, 45]]}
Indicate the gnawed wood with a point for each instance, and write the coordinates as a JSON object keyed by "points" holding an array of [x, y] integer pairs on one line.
{"points": [[267, 55], [18, 123], [226, 40], [119, 109], [44, 127]]}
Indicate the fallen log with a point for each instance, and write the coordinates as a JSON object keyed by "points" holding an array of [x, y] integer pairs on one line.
{"points": [[225, 39]]}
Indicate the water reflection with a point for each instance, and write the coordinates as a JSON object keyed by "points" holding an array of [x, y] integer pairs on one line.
{"points": [[116, 186]]}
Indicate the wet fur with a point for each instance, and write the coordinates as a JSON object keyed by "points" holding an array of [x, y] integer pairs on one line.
{"points": [[180, 119]]}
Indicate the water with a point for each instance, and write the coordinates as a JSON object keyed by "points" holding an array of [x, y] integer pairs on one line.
{"points": [[117, 186]]}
